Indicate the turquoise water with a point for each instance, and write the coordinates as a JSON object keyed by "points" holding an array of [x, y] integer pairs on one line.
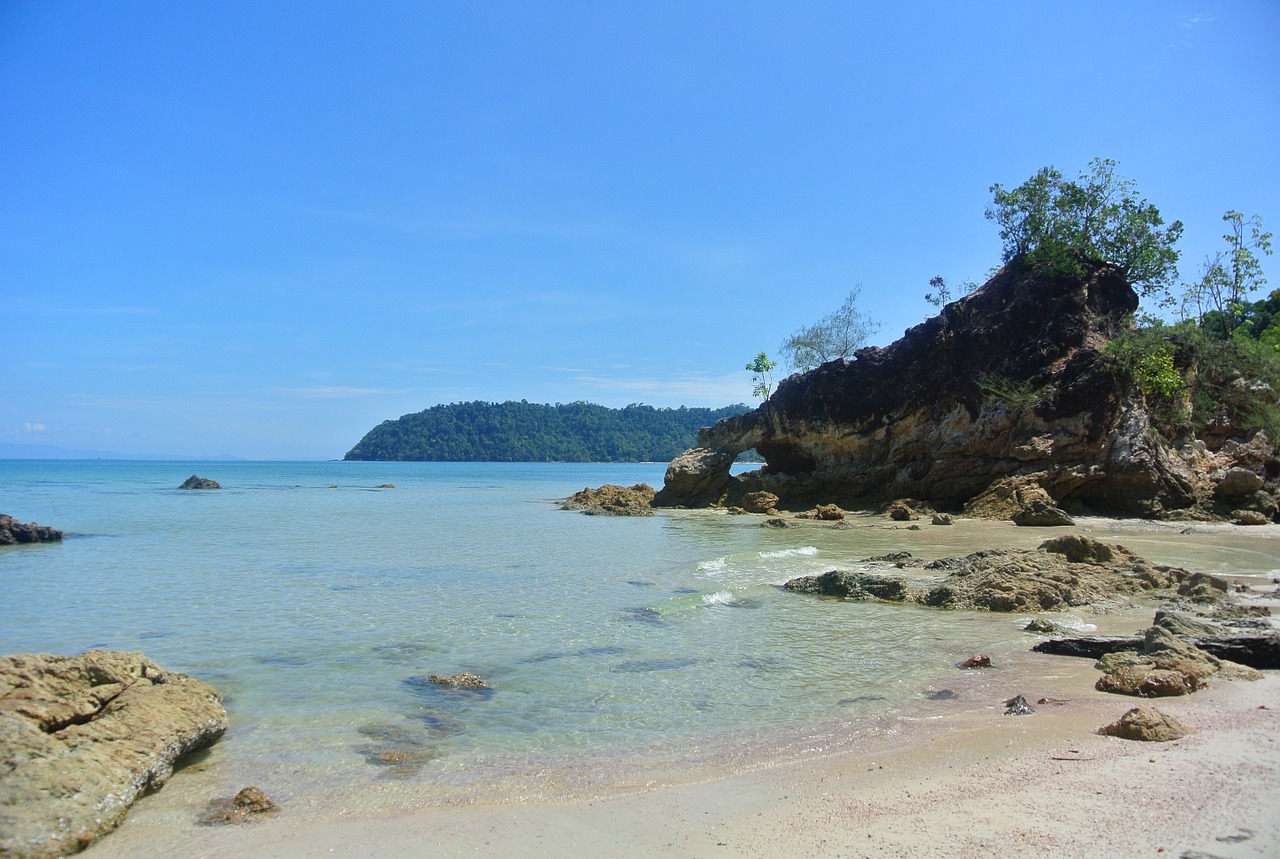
{"points": [[316, 602]]}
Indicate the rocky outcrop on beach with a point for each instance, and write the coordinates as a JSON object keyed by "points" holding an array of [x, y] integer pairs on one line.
{"points": [[13, 532], [83, 737], [195, 481], [612, 500], [1165, 666], [1071, 571], [1007, 393]]}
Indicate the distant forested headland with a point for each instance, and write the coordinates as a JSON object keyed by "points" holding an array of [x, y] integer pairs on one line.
{"points": [[532, 432]]}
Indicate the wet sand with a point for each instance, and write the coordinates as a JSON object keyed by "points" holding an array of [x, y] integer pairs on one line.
{"points": [[951, 779]]}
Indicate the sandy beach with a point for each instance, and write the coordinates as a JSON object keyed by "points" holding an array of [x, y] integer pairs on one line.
{"points": [[965, 782]]}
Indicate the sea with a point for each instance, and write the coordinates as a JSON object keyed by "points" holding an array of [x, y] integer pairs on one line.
{"points": [[318, 597]]}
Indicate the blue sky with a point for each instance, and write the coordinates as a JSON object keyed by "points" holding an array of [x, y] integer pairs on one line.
{"points": [[259, 229]]}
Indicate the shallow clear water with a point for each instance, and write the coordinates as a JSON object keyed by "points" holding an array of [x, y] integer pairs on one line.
{"points": [[317, 602]]}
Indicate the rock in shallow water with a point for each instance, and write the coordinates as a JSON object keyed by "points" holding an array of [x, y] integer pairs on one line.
{"points": [[83, 737], [12, 531]]}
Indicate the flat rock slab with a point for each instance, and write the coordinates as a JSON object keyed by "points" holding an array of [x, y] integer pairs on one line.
{"points": [[83, 737]]}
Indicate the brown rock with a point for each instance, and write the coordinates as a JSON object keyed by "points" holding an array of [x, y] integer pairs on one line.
{"points": [[612, 500], [943, 519], [459, 680], [247, 805], [1249, 517], [82, 737], [828, 512], [902, 513], [1145, 724], [979, 661], [1006, 496], [759, 502]]}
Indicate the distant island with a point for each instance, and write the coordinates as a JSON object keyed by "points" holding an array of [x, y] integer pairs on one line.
{"points": [[533, 432]]}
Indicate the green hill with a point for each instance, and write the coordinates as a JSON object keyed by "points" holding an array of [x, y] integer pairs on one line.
{"points": [[531, 432]]}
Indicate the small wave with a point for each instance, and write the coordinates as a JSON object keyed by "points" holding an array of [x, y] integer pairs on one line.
{"points": [[719, 565], [720, 598], [804, 551]]}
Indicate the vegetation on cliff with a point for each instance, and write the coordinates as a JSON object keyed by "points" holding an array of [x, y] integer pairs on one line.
{"points": [[532, 432]]}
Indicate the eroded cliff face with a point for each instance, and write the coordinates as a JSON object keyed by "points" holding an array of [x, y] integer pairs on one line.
{"points": [[1007, 381]]}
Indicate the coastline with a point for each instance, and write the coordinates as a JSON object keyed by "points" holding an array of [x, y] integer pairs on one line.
{"points": [[966, 784]]}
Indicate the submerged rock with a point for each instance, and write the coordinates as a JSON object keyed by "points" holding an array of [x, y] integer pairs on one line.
{"points": [[613, 500], [459, 680], [1145, 724], [12, 532], [249, 804], [979, 661], [83, 737]]}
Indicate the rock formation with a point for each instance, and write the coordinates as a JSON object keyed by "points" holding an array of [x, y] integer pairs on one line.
{"points": [[1066, 572], [12, 531], [612, 500], [195, 481], [82, 737], [1007, 387]]}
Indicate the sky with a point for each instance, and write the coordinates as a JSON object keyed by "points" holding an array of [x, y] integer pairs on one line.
{"points": [[260, 229]]}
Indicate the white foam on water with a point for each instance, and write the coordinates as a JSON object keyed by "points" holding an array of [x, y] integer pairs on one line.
{"points": [[803, 551]]}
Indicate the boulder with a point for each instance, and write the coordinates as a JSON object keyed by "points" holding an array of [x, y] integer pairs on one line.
{"points": [[83, 737], [1238, 482], [1006, 496], [902, 513], [775, 522], [12, 532], [1145, 724], [1248, 517], [612, 500], [855, 586], [195, 481], [1041, 514], [943, 519], [759, 502], [696, 478], [979, 661]]}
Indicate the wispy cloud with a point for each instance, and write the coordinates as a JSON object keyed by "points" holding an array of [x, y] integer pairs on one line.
{"points": [[709, 390], [336, 392], [1196, 20], [35, 427]]}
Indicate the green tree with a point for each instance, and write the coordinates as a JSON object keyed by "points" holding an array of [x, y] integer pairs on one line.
{"points": [[761, 381], [1048, 217], [941, 295], [836, 335], [1227, 279]]}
